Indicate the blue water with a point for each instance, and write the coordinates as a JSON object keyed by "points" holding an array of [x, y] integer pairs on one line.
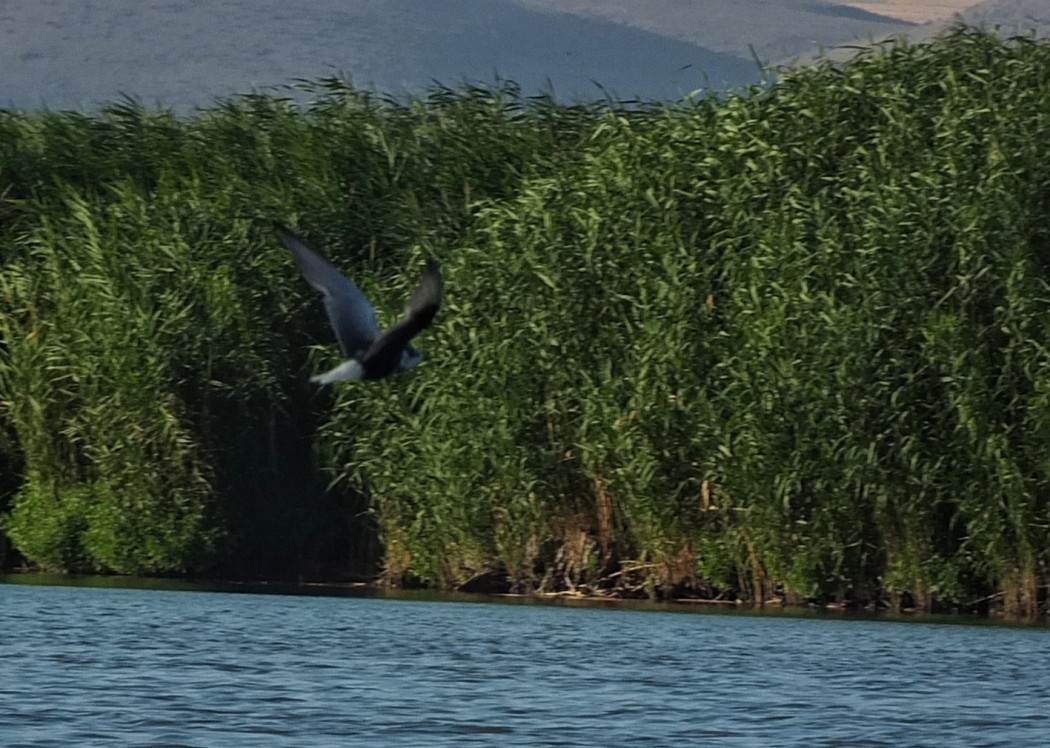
{"points": [[86, 666]]}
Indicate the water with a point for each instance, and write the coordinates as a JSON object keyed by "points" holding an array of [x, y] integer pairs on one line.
{"points": [[86, 666]]}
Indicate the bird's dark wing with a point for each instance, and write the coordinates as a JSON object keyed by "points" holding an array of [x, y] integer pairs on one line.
{"points": [[351, 315], [422, 306]]}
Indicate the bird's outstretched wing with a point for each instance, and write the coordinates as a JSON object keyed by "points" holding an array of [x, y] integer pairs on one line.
{"points": [[422, 306], [351, 315]]}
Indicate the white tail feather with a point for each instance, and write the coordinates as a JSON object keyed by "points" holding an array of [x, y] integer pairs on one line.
{"points": [[348, 371]]}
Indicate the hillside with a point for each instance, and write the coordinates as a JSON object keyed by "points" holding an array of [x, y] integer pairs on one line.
{"points": [[1008, 17], [1005, 17], [186, 54], [774, 30]]}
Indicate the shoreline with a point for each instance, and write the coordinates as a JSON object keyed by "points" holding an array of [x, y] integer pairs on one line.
{"points": [[779, 606]]}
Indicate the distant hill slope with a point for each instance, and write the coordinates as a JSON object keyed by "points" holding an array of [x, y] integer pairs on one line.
{"points": [[1012, 17], [925, 11], [183, 54], [1007, 17], [180, 54], [775, 30]]}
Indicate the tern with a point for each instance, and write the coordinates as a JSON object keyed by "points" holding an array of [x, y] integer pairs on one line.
{"points": [[369, 354]]}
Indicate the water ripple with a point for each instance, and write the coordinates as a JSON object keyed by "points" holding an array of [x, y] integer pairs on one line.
{"points": [[93, 667]]}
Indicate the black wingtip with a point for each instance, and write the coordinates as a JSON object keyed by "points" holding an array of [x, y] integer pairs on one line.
{"points": [[426, 299], [433, 278]]}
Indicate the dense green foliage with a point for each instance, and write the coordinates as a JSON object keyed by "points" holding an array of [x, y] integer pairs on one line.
{"points": [[789, 342]]}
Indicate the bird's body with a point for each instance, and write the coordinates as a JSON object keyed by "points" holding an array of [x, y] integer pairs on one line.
{"points": [[369, 354]]}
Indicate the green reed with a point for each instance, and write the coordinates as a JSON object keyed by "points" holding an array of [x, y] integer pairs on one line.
{"points": [[788, 343]]}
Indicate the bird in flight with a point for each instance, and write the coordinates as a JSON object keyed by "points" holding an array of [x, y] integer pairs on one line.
{"points": [[369, 354]]}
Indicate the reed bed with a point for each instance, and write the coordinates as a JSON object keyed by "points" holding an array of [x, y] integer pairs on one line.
{"points": [[786, 343]]}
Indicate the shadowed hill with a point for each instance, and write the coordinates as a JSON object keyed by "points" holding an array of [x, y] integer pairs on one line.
{"points": [[183, 54]]}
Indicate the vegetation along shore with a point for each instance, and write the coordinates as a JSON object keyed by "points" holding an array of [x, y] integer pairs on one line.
{"points": [[788, 343]]}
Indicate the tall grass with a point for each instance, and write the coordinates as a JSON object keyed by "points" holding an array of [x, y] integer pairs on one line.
{"points": [[789, 343], [154, 333]]}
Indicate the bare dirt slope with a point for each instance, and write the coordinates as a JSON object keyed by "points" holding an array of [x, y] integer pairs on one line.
{"points": [[925, 11], [775, 29], [798, 30]]}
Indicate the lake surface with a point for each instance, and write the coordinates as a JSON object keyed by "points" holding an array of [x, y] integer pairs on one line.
{"points": [[86, 666]]}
